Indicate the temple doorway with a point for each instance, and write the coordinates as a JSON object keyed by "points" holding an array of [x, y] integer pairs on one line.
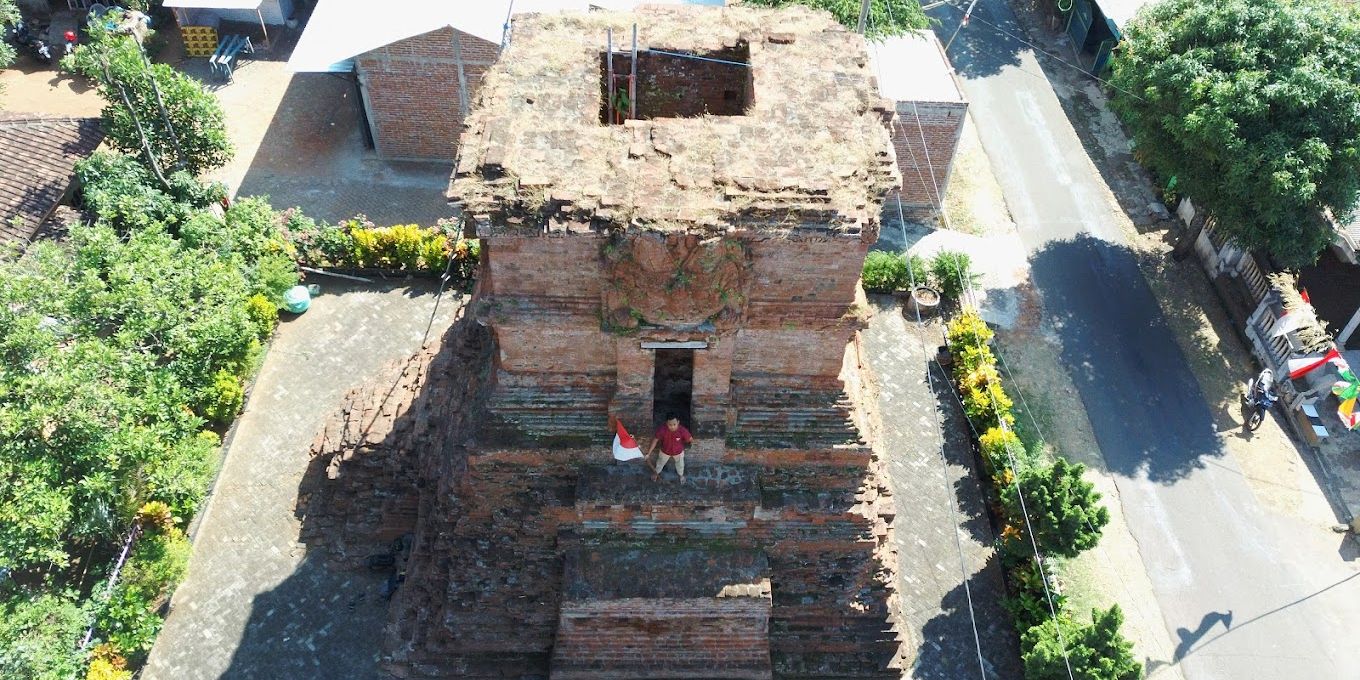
{"points": [[673, 385]]}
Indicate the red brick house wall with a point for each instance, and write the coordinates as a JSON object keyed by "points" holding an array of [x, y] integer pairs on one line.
{"points": [[417, 90], [941, 123]]}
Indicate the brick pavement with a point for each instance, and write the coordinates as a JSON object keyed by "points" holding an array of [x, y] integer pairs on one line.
{"points": [[930, 581], [256, 603]]}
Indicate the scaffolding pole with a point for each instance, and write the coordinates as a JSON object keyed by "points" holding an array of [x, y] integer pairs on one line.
{"points": [[609, 72], [632, 79]]}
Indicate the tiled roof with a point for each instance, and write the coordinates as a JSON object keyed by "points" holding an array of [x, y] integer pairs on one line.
{"points": [[37, 154]]}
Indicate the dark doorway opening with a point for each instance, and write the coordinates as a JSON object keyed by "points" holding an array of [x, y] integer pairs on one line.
{"points": [[672, 385]]}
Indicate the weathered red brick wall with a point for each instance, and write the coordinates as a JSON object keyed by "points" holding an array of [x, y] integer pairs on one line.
{"points": [[941, 123], [414, 99], [663, 638], [676, 87], [772, 372]]}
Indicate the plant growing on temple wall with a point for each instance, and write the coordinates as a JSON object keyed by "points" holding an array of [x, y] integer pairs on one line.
{"points": [[886, 17]]}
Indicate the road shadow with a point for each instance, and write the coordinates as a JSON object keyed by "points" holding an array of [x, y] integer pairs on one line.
{"points": [[975, 56], [1146, 409]]}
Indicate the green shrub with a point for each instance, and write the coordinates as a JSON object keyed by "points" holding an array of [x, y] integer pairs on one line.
{"points": [[223, 398], [181, 478], [1064, 509], [953, 272], [918, 270], [1095, 652], [263, 313], [272, 276], [884, 272], [434, 254], [38, 636], [968, 330], [130, 619]]}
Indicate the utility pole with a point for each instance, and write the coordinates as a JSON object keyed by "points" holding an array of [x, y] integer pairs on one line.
{"points": [[863, 14]]}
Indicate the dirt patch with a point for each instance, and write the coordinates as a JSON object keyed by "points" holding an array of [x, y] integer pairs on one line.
{"points": [[973, 197]]}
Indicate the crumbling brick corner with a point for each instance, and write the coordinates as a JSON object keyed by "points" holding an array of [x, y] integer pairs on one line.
{"points": [[741, 230]]}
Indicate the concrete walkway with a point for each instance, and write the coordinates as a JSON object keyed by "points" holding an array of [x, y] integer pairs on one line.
{"points": [[939, 503], [1248, 591], [255, 603]]}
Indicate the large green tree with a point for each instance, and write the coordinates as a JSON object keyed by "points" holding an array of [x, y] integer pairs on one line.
{"points": [[886, 17], [9, 16], [151, 110], [1253, 106]]}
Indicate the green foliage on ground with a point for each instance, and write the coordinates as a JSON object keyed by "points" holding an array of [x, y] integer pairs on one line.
{"points": [[39, 633], [120, 349], [9, 17], [1065, 509], [886, 17], [359, 244], [886, 272], [1095, 652], [172, 116], [953, 273], [1253, 107], [1061, 516]]}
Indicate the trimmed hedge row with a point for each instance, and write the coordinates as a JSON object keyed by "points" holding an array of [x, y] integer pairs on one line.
{"points": [[1061, 510], [358, 244]]}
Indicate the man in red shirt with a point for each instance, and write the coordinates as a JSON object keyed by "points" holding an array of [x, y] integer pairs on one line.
{"points": [[672, 437]]}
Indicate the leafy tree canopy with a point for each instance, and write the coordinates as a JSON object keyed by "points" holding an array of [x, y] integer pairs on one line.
{"points": [[886, 17], [171, 115], [9, 16], [1254, 107]]}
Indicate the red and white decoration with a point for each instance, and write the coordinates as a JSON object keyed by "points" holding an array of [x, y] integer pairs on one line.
{"points": [[625, 447]]}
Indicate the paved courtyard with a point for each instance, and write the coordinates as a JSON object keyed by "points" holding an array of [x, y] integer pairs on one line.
{"points": [[256, 603], [939, 502]]}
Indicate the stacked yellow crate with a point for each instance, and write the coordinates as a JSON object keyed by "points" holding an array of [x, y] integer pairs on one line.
{"points": [[199, 41]]}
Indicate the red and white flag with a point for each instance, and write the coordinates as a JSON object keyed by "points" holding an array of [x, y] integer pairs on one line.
{"points": [[1301, 367], [625, 447]]}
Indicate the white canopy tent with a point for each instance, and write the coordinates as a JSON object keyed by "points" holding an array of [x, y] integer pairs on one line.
{"points": [[180, 8], [340, 30]]}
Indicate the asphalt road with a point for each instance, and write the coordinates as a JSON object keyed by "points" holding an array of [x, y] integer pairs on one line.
{"points": [[1246, 592]]}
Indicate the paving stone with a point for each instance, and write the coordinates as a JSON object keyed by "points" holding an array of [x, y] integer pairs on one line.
{"points": [[256, 603]]}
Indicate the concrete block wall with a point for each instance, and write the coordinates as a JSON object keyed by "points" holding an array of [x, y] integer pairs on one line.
{"points": [[418, 90], [941, 123]]}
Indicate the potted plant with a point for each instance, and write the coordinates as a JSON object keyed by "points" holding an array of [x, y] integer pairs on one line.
{"points": [[922, 300]]}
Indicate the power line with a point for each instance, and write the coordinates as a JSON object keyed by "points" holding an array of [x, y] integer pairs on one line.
{"points": [[1036, 49], [939, 432], [966, 289]]}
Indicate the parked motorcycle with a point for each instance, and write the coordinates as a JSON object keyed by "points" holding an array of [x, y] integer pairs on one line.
{"points": [[1259, 397]]}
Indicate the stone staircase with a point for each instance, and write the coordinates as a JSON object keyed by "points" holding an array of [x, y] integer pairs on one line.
{"points": [[778, 417]]}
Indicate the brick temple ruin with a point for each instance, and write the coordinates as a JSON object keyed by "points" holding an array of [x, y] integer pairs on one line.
{"points": [[695, 249]]}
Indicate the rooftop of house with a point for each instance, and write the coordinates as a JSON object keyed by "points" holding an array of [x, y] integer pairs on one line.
{"points": [[37, 158], [745, 118], [913, 68]]}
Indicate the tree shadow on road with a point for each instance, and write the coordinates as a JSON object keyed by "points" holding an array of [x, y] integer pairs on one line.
{"points": [[980, 49], [1146, 409]]}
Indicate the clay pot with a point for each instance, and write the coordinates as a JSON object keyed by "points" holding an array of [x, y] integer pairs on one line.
{"points": [[922, 300]]}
